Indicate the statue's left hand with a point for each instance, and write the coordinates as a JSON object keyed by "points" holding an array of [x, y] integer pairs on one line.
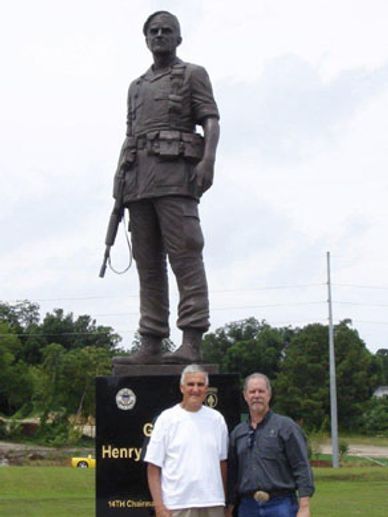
{"points": [[204, 174]]}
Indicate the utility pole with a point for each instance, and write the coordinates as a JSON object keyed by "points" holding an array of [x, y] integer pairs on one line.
{"points": [[333, 383]]}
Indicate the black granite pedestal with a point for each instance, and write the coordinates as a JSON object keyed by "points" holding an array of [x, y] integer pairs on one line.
{"points": [[126, 406]]}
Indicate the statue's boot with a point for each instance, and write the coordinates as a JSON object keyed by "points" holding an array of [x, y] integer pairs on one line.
{"points": [[190, 350], [150, 352]]}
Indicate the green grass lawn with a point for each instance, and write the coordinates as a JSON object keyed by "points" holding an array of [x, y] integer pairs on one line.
{"points": [[348, 492], [46, 491], [63, 491]]}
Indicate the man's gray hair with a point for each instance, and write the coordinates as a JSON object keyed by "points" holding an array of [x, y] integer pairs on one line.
{"points": [[257, 375], [194, 368]]}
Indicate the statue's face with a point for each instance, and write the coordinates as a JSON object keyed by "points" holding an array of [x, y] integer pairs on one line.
{"points": [[162, 35]]}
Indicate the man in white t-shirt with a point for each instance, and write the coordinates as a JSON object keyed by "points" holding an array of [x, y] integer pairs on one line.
{"points": [[187, 454]]}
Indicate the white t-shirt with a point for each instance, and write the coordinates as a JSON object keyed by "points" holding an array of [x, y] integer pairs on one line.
{"points": [[188, 447]]}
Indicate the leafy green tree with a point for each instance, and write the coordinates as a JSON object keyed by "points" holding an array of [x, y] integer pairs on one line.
{"points": [[167, 346], [64, 383], [246, 346], [49, 392], [20, 315], [58, 327], [82, 366], [302, 386], [382, 354], [375, 418], [33, 345], [49, 397], [358, 375], [22, 319], [15, 380], [7, 358], [48, 368]]}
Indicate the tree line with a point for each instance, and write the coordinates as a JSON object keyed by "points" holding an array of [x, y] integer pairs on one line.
{"points": [[297, 362], [48, 367]]}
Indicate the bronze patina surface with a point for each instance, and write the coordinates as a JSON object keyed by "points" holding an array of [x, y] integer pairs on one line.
{"points": [[164, 167]]}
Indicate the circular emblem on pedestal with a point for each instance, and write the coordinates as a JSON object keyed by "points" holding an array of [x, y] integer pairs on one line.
{"points": [[211, 399], [125, 399]]}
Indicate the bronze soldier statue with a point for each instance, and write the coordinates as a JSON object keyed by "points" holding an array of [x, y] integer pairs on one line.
{"points": [[164, 168]]}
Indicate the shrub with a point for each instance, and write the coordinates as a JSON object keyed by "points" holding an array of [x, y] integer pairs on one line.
{"points": [[375, 418]]}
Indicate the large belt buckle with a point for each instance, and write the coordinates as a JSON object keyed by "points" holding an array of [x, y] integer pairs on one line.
{"points": [[260, 496]]}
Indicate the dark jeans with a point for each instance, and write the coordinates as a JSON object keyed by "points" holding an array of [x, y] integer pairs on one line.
{"points": [[169, 227], [276, 507]]}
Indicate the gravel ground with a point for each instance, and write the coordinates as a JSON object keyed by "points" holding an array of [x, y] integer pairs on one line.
{"points": [[22, 454], [360, 450]]}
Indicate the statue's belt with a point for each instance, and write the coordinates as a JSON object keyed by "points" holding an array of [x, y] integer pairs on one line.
{"points": [[170, 144], [261, 496]]}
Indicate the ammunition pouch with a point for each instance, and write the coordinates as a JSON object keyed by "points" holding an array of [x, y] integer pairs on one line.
{"points": [[128, 153], [170, 144], [194, 146]]}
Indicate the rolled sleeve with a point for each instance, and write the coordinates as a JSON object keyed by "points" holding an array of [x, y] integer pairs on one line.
{"points": [[202, 99]]}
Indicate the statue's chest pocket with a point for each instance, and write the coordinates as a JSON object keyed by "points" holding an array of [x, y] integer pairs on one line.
{"points": [[161, 89]]}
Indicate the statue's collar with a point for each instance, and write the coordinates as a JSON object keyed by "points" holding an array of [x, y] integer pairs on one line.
{"points": [[151, 75]]}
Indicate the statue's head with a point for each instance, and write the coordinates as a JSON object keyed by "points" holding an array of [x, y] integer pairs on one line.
{"points": [[162, 32]]}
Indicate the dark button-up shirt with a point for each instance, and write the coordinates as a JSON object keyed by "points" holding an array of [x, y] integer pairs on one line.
{"points": [[271, 457]]}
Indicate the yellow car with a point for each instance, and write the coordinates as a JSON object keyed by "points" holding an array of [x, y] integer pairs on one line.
{"points": [[84, 462]]}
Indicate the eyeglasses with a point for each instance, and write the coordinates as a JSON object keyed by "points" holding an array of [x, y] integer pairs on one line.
{"points": [[251, 437]]}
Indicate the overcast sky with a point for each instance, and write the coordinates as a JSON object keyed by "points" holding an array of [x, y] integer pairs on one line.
{"points": [[302, 88]]}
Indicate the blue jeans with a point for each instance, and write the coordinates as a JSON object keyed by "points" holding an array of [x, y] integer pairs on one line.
{"points": [[276, 507]]}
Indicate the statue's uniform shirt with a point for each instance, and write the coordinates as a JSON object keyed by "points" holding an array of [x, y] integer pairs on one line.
{"points": [[153, 106], [162, 195]]}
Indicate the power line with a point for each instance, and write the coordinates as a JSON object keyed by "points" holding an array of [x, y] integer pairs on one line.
{"points": [[370, 322], [50, 334], [361, 304], [235, 308], [133, 331], [215, 291], [266, 306], [73, 298], [268, 288], [358, 286]]}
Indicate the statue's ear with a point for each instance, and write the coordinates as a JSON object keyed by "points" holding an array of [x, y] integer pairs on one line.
{"points": [[179, 41]]}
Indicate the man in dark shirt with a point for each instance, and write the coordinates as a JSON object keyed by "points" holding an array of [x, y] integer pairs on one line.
{"points": [[267, 462], [165, 166]]}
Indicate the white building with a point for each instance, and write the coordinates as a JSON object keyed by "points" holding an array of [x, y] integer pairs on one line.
{"points": [[381, 391]]}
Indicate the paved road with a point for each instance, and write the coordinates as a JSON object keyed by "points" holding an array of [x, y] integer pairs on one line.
{"points": [[10, 446], [354, 449], [373, 451], [21, 447]]}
